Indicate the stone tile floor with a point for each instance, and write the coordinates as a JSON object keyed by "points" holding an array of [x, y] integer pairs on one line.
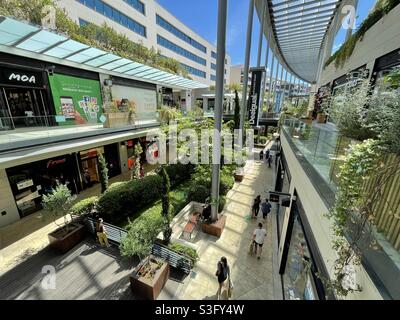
{"points": [[252, 279]]}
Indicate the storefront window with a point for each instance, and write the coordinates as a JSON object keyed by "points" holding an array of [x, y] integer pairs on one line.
{"points": [[298, 278]]}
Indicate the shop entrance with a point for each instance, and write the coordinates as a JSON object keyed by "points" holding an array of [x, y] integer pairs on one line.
{"points": [[26, 106]]}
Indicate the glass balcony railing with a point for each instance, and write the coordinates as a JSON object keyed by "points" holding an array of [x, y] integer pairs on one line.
{"points": [[320, 145], [19, 132]]}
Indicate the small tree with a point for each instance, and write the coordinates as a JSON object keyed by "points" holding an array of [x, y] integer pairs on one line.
{"points": [[103, 173], [237, 111], [58, 203], [165, 200], [141, 235], [135, 172]]}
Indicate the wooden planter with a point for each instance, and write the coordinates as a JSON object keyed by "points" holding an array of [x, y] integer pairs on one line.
{"points": [[321, 117], [149, 289], [239, 175], [215, 228], [64, 243], [118, 119]]}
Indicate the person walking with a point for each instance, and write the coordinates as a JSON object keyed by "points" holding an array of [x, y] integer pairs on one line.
{"points": [[269, 161], [256, 206], [258, 238], [261, 155], [265, 208], [223, 272], [102, 233]]}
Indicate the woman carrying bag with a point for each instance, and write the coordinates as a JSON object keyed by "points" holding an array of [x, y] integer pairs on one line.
{"points": [[223, 272]]}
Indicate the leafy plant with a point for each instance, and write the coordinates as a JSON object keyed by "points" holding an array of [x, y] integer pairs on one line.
{"points": [[135, 171], [103, 173], [381, 8], [165, 200], [58, 203], [84, 206], [185, 250], [102, 37]]}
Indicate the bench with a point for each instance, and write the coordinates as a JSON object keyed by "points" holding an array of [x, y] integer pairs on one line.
{"points": [[191, 226]]}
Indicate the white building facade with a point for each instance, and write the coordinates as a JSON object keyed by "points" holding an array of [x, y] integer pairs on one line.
{"points": [[148, 23]]}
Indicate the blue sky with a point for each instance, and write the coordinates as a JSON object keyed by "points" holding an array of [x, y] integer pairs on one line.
{"points": [[201, 17]]}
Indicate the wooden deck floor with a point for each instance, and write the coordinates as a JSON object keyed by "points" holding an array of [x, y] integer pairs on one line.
{"points": [[87, 272]]}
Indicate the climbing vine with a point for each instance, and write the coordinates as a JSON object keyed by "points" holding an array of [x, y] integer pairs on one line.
{"points": [[381, 8]]}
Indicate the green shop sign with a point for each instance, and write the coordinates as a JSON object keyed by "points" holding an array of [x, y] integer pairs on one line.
{"points": [[76, 100]]}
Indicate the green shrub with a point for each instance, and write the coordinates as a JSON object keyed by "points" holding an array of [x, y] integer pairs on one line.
{"points": [[185, 250], [127, 198], [222, 202], [226, 183], [198, 193], [179, 172], [84, 206]]}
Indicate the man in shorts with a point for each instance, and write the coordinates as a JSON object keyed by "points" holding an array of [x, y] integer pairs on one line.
{"points": [[258, 239]]}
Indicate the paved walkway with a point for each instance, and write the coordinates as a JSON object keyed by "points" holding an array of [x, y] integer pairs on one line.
{"points": [[253, 279], [28, 236]]}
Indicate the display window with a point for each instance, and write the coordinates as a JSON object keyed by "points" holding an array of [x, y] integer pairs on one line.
{"points": [[31, 181]]}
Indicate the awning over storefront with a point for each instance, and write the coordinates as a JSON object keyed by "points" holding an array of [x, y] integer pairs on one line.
{"points": [[25, 39]]}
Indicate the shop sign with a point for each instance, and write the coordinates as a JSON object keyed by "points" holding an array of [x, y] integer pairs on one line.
{"points": [[52, 163], [24, 184], [20, 77], [130, 143], [281, 198], [254, 102]]}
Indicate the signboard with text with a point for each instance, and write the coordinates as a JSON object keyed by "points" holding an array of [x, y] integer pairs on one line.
{"points": [[254, 102]]}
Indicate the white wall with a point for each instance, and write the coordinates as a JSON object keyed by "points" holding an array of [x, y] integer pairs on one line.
{"points": [[321, 226], [76, 10], [7, 202], [381, 39]]}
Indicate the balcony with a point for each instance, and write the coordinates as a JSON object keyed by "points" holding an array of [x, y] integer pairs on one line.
{"points": [[21, 132]]}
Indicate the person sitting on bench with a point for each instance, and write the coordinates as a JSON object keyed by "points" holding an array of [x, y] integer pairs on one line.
{"points": [[206, 214]]}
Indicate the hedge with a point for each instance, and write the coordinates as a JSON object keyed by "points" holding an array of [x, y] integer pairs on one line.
{"points": [[185, 250], [127, 198], [84, 206], [179, 173]]}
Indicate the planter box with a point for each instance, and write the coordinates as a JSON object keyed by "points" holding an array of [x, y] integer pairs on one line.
{"points": [[146, 289], [118, 119], [239, 175], [63, 243], [215, 228]]}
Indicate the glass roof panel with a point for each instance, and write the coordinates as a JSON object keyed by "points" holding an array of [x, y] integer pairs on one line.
{"points": [[66, 49], [40, 41], [11, 31], [27, 37], [86, 55]]}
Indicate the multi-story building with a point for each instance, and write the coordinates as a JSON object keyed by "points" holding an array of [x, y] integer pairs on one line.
{"points": [[148, 23]]}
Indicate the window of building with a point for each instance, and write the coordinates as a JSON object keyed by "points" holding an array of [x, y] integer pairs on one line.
{"points": [[179, 50], [82, 22], [138, 5], [213, 77], [213, 66], [108, 11], [194, 71], [213, 55], [169, 27]]}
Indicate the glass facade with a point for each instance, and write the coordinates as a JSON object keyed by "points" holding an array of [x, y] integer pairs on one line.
{"points": [[213, 55], [169, 27], [113, 14], [213, 77], [213, 66], [298, 279], [194, 71], [138, 5], [179, 50]]}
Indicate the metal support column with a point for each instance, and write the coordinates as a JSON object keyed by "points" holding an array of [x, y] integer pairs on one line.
{"points": [[219, 100], [266, 72], [270, 77], [260, 38], [246, 64]]}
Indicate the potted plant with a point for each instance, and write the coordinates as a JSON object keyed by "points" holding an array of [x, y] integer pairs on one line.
{"points": [[151, 274], [120, 113], [58, 203]]}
